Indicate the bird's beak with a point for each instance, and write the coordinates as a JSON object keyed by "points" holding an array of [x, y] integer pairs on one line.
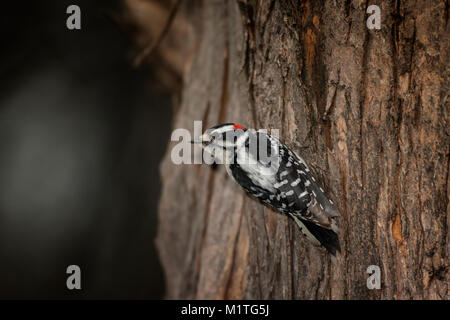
{"points": [[204, 139]]}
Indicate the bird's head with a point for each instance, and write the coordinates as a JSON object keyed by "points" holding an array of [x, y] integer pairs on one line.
{"points": [[221, 140]]}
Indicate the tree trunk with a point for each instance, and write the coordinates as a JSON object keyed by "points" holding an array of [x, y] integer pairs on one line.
{"points": [[369, 108]]}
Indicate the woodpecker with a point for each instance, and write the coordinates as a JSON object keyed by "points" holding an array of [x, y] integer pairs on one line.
{"points": [[275, 175]]}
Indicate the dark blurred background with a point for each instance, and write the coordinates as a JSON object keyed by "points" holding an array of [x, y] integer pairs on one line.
{"points": [[82, 133]]}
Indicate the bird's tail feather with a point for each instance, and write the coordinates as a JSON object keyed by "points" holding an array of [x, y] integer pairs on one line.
{"points": [[327, 237]]}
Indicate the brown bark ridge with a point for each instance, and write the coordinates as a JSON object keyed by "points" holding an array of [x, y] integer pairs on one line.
{"points": [[370, 108]]}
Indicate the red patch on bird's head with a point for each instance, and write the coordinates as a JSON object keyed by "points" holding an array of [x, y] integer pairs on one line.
{"points": [[237, 126]]}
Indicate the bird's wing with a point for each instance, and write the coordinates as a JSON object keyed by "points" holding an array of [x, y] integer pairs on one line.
{"points": [[301, 193]]}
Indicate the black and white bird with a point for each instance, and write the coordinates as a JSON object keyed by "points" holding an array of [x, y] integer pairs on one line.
{"points": [[271, 172]]}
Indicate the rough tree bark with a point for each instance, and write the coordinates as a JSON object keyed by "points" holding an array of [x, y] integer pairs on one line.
{"points": [[371, 107]]}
